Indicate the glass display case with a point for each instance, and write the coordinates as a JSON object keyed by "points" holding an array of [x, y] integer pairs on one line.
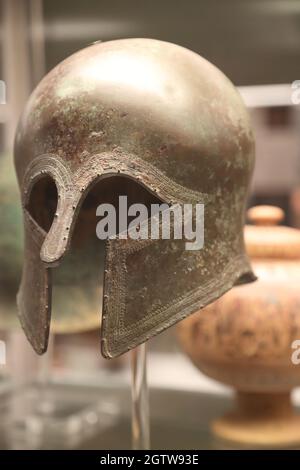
{"points": [[72, 398]]}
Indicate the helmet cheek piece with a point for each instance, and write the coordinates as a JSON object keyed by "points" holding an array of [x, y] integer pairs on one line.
{"points": [[136, 303], [34, 297]]}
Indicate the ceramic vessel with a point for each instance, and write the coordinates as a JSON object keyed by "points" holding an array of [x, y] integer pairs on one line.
{"points": [[248, 338]]}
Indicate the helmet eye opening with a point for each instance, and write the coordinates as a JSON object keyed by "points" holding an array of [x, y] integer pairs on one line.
{"points": [[42, 202], [108, 191], [84, 264]]}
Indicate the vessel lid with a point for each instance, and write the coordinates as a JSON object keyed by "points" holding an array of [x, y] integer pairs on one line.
{"points": [[266, 239]]}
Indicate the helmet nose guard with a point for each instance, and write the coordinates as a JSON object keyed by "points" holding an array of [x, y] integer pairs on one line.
{"points": [[58, 238]]}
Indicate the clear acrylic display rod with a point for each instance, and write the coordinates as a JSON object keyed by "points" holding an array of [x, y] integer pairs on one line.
{"points": [[140, 402]]}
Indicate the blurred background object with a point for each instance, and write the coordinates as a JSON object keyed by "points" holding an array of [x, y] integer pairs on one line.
{"points": [[246, 338], [257, 45]]}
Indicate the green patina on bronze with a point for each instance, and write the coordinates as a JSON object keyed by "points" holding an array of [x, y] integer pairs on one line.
{"points": [[170, 124], [76, 294], [10, 242]]}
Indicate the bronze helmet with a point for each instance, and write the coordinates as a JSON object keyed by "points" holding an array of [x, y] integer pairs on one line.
{"points": [[74, 300], [153, 121]]}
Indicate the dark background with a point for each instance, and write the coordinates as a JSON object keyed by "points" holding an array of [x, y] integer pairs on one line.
{"points": [[251, 41]]}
